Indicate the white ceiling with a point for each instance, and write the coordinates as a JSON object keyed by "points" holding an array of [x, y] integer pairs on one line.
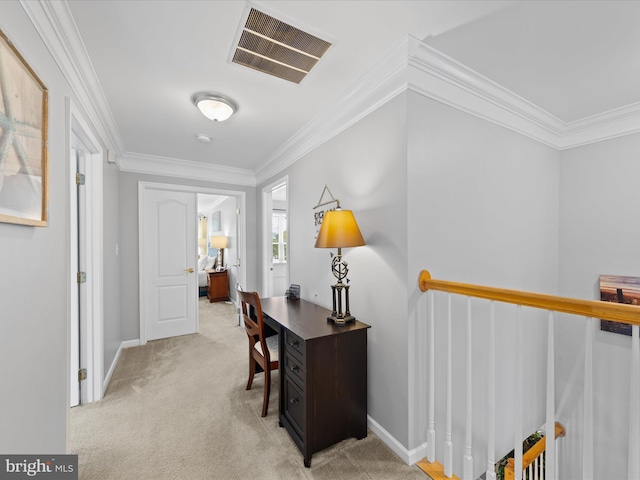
{"points": [[573, 59]]}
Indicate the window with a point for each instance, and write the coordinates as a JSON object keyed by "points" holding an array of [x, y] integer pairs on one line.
{"points": [[279, 237], [202, 237]]}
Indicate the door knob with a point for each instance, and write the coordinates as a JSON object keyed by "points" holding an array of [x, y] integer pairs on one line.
{"points": [[190, 270]]}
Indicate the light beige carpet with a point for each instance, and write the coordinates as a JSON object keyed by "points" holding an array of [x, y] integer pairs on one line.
{"points": [[178, 409]]}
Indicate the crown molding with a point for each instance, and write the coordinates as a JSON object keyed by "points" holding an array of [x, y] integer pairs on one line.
{"points": [[440, 77], [604, 126], [473, 93], [382, 83], [55, 25], [418, 67], [412, 65], [174, 167]]}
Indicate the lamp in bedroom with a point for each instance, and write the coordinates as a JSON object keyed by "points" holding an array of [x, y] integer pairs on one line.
{"points": [[219, 242], [339, 229]]}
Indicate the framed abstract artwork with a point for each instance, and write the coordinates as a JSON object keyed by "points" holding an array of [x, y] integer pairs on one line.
{"points": [[23, 140], [216, 221], [619, 289]]}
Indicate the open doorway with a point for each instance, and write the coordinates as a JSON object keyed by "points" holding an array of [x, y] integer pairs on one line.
{"points": [[275, 237], [232, 224], [218, 240]]}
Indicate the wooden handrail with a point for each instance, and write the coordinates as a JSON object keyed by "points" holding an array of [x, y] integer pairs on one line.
{"points": [[616, 312], [534, 452]]}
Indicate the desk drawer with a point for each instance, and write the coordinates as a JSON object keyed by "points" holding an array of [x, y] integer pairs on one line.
{"points": [[294, 407], [294, 369], [294, 344]]}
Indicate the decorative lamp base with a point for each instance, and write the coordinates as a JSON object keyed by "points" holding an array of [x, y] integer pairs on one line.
{"points": [[338, 315], [220, 261], [340, 321]]}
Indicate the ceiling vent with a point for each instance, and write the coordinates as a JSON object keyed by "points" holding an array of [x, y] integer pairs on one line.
{"points": [[276, 48]]}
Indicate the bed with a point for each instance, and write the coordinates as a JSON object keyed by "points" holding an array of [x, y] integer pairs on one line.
{"points": [[204, 263]]}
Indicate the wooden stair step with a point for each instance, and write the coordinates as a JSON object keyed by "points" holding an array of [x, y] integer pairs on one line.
{"points": [[435, 470]]}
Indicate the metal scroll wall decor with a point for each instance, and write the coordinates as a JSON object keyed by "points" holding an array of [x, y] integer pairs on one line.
{"points": [[323, 206]]}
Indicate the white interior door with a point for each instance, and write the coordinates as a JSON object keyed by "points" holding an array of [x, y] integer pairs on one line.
{"points": [[86, 306], [267, 277], [74, 339], [169, 233], [279, 265], [275, 277]]}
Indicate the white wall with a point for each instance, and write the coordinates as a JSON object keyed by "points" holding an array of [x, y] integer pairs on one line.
{"points": [[229, 223], [435, 188], [364, 167], [599, 232], [111, 252], [34, 282], [483, 208]]}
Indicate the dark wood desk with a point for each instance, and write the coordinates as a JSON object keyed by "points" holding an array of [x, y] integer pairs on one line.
{"points": [[323, 374]]}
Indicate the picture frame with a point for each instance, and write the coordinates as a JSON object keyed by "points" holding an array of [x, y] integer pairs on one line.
{"points": [[23, 140], [216, 221], [619, 289]]}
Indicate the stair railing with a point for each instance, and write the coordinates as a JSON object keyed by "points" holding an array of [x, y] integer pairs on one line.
{"points": [[591, 310], [533, 460]]}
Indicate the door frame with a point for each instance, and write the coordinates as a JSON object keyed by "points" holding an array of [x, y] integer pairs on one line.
{"points": [[267, 208], [143, 187], [80, 137]]}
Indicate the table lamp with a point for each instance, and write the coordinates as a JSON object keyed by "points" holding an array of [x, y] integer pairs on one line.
{"points": [[339, 230], [219, 242]]}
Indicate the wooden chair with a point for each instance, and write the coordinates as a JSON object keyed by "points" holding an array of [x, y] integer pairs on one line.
{"points": [[263, 343]]}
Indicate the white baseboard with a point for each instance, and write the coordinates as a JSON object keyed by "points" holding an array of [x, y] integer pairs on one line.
{"points": [[112, 367], [129, 344], [407, 456]]}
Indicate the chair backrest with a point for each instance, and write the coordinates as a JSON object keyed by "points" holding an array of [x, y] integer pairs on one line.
{"points": [[253, 320], [239, 289]]}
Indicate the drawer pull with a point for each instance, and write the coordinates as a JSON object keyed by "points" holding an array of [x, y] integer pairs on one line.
{"points": [[294, 344], [294, 368], [294, 401]]}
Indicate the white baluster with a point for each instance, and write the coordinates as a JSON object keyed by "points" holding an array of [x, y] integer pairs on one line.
{"points": [[587, 438], [491, 398], [468, 455], [448, 445], [550, 427], [634, 410], [518, 399], [431, 433]]}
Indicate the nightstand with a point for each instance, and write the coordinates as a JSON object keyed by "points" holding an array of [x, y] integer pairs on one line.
{"points": [[217, 286]]}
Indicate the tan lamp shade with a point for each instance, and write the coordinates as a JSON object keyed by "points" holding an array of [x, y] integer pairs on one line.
{"points": [[338, 230], [218, 241]]}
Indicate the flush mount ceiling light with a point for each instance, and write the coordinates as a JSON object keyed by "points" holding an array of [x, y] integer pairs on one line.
{"points": [[214, 107], [204, 138], [277, 48]]}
